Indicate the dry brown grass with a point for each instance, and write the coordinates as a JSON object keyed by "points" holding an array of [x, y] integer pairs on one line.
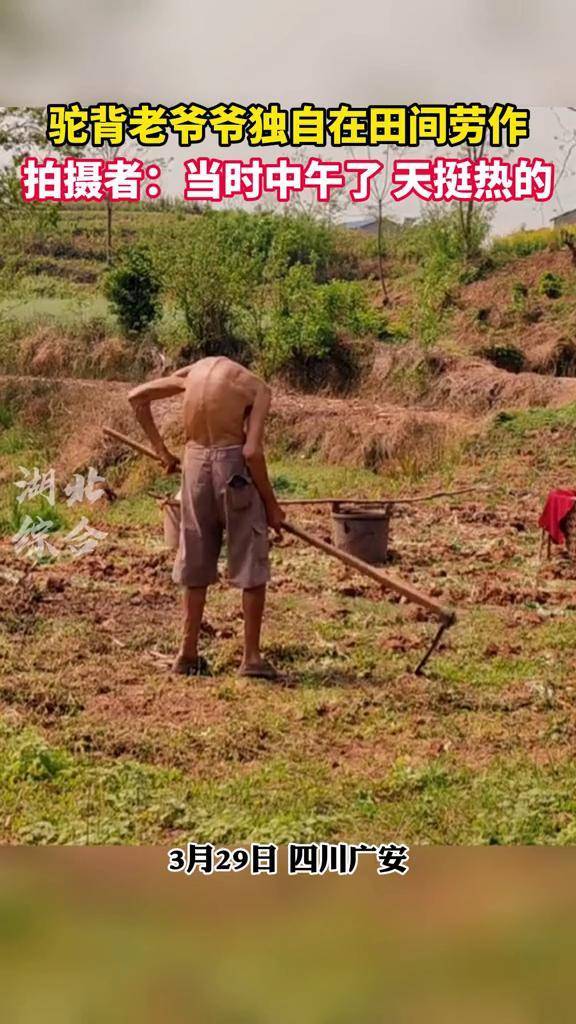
{"points": [[437, 379], [378, 433], [112, 357], [358, 433], [49, 354], [346, 431], [555, 355], [475, 386], [91, 353], [495, 291], [69, 414]]}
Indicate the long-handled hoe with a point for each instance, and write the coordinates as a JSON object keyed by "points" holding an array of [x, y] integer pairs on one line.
{"points": [[446, 616]]}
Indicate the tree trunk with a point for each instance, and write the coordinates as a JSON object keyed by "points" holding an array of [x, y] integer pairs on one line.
{"points": [[385, 299], [108, 231]]}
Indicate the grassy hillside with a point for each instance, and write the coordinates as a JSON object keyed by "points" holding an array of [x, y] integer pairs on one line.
{"points": [[513, 306], [100, 744]]}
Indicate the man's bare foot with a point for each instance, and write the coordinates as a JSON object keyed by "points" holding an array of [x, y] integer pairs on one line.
{"points": [[185, 666], [258, 669]]}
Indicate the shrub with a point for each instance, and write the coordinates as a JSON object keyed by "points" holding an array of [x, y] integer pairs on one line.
{"points": [[211, 282], [234, 274], [435, 287], [309, 326], [551, 285], [521, 309], [301, 240], [273, 243], [519, 304], [480, 269], [519, 296], [132, 288], [301, 327], [351, 313], [524, 243], [446, 243], [450, 232]]}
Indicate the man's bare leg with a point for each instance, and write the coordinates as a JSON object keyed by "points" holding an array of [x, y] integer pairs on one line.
{"points": [[194, 599], [253, 602]]}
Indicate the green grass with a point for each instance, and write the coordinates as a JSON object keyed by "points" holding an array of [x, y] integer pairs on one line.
{"points": [[540, 440], [66, 312], [137, 510], [15, 440], [7, 415], [22, 448], [19, 447], [536, 419], [304, 479], [49, 796], [13, 515], [511, 431], [356, 750]]}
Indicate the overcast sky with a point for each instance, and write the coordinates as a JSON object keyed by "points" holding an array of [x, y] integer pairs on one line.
{"points": [[369, 51]]}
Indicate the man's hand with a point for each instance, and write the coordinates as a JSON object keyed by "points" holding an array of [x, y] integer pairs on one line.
{"points": [[276, 517], [170, 462]]}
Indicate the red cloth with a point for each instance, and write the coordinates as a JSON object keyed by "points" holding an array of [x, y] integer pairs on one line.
{"points": [[558, 505]]}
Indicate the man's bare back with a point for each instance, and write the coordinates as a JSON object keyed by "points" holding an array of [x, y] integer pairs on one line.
{"points": [[218, 398], [224, 404]]}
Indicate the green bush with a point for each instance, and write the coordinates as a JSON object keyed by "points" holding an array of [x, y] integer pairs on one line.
{"points": [[301, 240], [551, 285], [479, 270], [214, 283], [273, 243], [448, 232], [519, 296], [351, 312], [301, 324], [311, 327], [234, 275], [446, 243], [132, 288]]}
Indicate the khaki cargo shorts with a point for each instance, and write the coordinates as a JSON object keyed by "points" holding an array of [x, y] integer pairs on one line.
{"points": [[218, 496]]}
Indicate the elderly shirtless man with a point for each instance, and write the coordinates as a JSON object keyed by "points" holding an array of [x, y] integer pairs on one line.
{"points": [[225, 487]]}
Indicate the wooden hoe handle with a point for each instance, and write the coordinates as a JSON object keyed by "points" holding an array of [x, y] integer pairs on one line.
{"points": [[131, 444], [446, 615]]}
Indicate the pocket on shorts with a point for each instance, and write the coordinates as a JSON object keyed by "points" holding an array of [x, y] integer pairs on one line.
{"points": [[260, 542], [239, 492]]}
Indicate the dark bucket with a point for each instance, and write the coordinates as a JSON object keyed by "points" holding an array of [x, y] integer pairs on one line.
{"points": [[362, 532]]}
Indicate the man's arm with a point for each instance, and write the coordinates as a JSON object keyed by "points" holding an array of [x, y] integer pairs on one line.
{"points": [[141, 399], [254, 455]]}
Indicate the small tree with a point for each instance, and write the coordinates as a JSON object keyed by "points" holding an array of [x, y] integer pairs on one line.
{"points": [[133, 288], [23, 132], [22, 129]]}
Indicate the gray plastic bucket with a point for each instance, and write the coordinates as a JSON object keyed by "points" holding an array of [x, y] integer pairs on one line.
{"points": [[363, 533]]}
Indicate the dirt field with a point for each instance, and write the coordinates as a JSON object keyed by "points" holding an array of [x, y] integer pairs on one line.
{"points": [[101, 744]]}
